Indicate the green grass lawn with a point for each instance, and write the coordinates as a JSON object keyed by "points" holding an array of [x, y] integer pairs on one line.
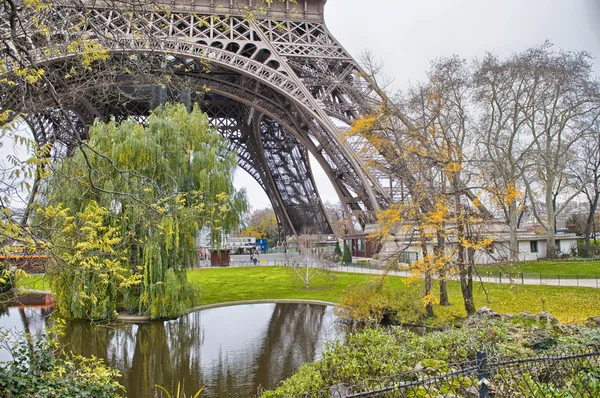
{"points": [[568, 304], [33, 282], [548, 268]]}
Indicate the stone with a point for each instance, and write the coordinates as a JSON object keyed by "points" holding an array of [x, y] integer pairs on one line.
{"points": [[471, 392], [549, 318], [593, 321], [486, 313], [340, 390], [527, 316]]}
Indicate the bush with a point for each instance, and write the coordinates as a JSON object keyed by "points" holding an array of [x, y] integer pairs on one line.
{"points": [[347, 258], [373, 353], [374, 301], [39, 369], [582, 250], [7, 278], [337, 252]]}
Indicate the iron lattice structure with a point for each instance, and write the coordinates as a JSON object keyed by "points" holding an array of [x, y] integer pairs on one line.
{"points": [[272, 79]]}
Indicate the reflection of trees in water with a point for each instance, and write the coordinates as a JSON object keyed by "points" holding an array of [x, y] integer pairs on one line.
{"points": [[151, 353], [292, 338], [165, 353], [225, 379], [34, 319]]}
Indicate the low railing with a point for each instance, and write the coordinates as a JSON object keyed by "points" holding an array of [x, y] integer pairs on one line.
{"points": [[571, 372], [520, 278]]}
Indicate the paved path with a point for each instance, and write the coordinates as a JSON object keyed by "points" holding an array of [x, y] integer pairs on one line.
{"points": [[275, 259], [577, 282]]}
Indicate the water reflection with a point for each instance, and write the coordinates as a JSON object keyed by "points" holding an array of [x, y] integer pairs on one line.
{"points": [[234, 351]]}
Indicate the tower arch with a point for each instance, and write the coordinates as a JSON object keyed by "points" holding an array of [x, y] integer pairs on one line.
{"points": [[281, 75]]}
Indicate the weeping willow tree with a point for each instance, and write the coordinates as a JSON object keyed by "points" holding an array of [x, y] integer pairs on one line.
{"points": [[123, 213]]}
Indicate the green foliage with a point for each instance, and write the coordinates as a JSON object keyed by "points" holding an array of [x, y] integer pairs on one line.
{"points": [[347, 257], [179, 393], [337, 252], [39, 369], [373, 353], [130, 203], [374, 301], [582, 250], [263, 224], [91, 278], [7, 278]]}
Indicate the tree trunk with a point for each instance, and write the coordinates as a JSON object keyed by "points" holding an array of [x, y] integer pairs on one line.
{"points": [[513, 245], [427, 271], [465, 273], [590, 221], [440, 251], [550, 221]]}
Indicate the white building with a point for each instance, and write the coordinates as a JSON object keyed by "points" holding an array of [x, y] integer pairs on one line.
{"points": [[232, 243], [531, 245]]}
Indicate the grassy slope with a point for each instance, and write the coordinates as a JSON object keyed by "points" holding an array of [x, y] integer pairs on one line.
{"points": [[568, 304]]}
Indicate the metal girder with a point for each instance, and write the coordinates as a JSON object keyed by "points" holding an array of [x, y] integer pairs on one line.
{"points": [[271, 84]]}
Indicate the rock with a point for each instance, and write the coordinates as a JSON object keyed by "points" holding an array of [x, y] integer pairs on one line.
{"points": [[507, 317], [527, 316], [471, 392], [340, 390], [486, 313], [548, 318], [418, 367], [593, 321]]}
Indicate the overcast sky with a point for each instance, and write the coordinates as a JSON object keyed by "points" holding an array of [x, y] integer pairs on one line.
{"points": [[407, 34]]}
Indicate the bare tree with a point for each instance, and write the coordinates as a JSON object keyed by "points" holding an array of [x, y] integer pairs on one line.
{"points": [[586, 172], [503, 143], [564, 106], [313, 261]]}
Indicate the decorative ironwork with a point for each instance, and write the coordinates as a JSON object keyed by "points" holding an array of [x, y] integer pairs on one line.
{"points": [[272, 82], [566, 373]]}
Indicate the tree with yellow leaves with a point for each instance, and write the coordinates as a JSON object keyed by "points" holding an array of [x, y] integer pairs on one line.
{"points": [[423, 138]]}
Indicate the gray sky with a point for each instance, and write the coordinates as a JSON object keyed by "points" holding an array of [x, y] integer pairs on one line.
{"points": [[407, 34]]}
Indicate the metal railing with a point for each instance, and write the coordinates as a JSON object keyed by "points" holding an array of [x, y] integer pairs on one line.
{"points": [[565, 373], [534, 278], [521, 278]]}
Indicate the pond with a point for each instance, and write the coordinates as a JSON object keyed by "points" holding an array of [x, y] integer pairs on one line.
{"points": [[234, 351]]}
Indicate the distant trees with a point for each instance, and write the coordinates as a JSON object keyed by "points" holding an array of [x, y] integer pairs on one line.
{"points": [[498, 135], [263, 224], [341, 222]]}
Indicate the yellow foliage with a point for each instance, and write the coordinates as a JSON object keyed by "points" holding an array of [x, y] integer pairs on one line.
{"points": [[453, 167], [363, 125], [30, 75], [512, 194], [88, 52]]}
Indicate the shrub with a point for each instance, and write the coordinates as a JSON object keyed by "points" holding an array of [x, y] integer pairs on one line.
{"points": [[373, 353], [7, 278], [374, 301], [40, 369], [582, 250], [337, 252], [347, 258]]}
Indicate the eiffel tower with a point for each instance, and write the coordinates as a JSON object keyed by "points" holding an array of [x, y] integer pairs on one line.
{"points": [[271, 77]]}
